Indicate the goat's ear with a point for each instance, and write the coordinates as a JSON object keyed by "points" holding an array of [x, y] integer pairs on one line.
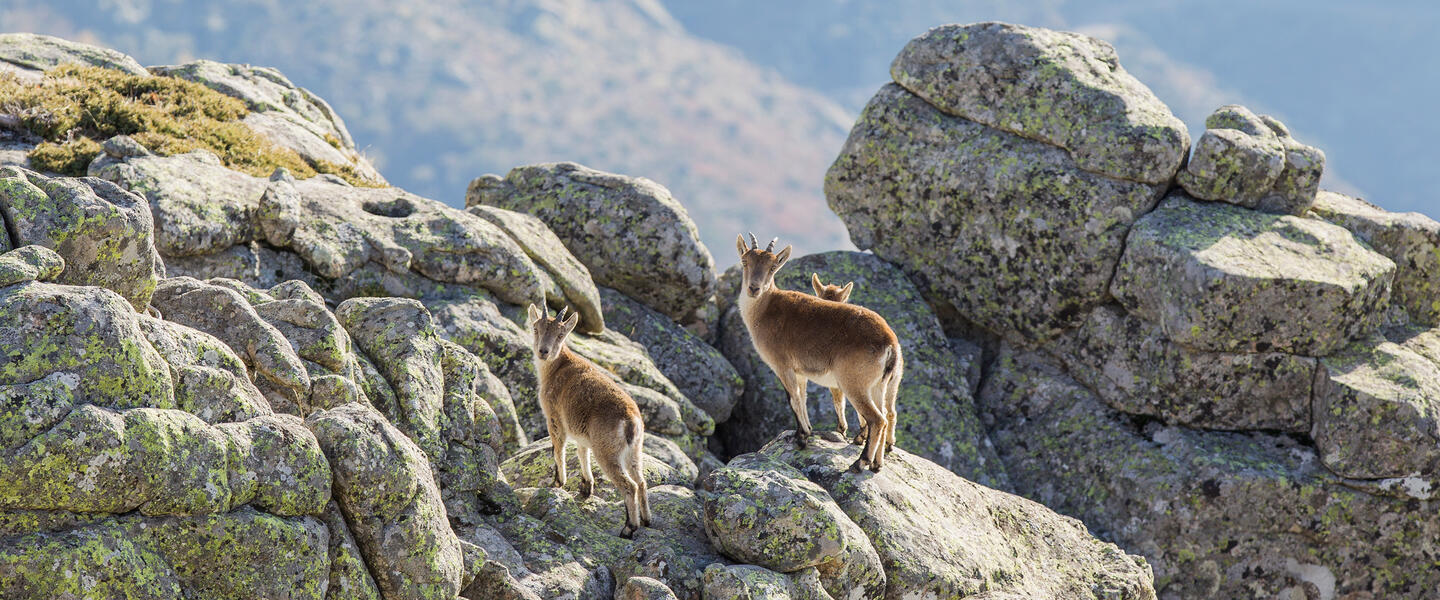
{"points": [[845, 293], [815, 284], [740, 244], [571, 322], [534, 315], [782, 257]]}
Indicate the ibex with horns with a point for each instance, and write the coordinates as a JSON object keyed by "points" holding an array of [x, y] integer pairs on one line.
{"points": [[582, 403], [837, 345]]}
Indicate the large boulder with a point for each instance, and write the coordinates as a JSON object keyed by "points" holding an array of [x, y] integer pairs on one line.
{"points": [[200, 206], [288, 115], [696, 368], [1220, 277], [1252, 161], [939, 535], [1217, 514], [750, 582], [385, 487], [1136, 369], [765, 512], [29, 263], [1012, 232], [935, 409], [103, 232], [548, 251], [631, 234], [1064, 89], [211, 381], [364, 234], [1412, 240]]}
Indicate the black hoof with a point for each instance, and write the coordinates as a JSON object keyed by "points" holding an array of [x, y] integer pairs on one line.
{"points": [[875, 467], [857, 466], [585, 492], [628, 531], [645, 522], [802, 440], [858, 440]]}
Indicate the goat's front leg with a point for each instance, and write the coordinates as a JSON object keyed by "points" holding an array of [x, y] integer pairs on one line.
{"points": [[795, 388]]}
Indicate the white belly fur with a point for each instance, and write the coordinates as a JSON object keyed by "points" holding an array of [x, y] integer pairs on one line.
{"points": [[827, 380]]}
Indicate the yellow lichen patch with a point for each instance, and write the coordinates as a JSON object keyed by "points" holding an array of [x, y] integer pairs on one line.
{"points": [[72, 106]]}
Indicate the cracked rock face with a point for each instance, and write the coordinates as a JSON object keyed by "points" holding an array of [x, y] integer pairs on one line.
{"points": [[1412, 240]]}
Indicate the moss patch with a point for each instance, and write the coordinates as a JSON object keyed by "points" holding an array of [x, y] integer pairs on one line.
{"points": [[73, 106]]}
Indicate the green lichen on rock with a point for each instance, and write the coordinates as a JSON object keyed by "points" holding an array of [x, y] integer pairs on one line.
{"points": [[1412, 240], [1220, 277], [103, 232], [1252, 161], [211, 382], [1011, 232], [29, 263], [1377, 412], [1061, 88], [534, 466], [549, 252]]}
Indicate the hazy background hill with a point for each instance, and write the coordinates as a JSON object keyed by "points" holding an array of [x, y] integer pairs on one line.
{"points": [[738, 106]]}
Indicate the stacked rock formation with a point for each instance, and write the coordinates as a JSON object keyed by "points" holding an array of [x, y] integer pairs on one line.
{"points": [[1214, 366], [226, 386]]}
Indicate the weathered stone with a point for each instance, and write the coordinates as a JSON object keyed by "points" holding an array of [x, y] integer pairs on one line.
{"points": [[534, 466], [62, 345], [225, 313], [276, 465], [288, 115], [548, 251], [385, 487], [43, 52], [943, 536], [1008, 230], [399, 335], [1218, 515], [934, 404], [1135, 369], [1252, 161], [749, 582], [1064, 89], [241, 555], [103, 232], [1377, 412], [256, 265], [696, 368], [475, 322], [631, 234], [200, 206], [29, 263], [342, 231], [645, 588], [764, 512], [211, 382], [1220, 277], [1412, 240]]}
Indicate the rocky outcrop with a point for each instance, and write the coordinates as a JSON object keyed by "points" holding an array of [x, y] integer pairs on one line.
{"points": [[31, 52], [548, 251], [1038, 235], [1061, 88], [631, 234], [1253, 162], [936, 414]]}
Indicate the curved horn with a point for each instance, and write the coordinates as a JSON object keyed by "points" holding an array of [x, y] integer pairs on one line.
{"points": [[563, 311], [771, 247], [754, 243], [546, 307]]}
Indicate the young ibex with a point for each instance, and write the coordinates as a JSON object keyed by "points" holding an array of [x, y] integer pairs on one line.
{"points": [[836, 345], [835, 293], [582, 403]]}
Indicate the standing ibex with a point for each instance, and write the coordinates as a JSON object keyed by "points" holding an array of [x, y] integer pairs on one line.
{"points": [[835, 293], [582, 403], [836, 345]]}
